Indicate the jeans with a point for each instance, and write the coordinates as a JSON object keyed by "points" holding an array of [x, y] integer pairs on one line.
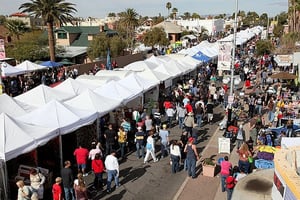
{"points": [[270, 116], [112, 174], [229, 193], [122, 148], [164, 149], [109, 148], [244, 165], [191, 167], [259, 109], [69, 193], [175, 163], [140, 146], [180, 122], [199, 120], [98, 180], [223, 182], [170, 119]]}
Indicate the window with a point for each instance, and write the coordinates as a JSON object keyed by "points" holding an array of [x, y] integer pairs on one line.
{"points": [[61, 35]]}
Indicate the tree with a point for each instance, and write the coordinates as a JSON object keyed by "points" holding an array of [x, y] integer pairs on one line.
{"points": [[98, 47], [2, 19], [128, 22], [168, 6], [15, 28], [186, 15], [51, 11], [155, 36], [264, 19], [196, 16], [31, 46], [294, 15], [174, 12], [111, 15], [264, 47]]}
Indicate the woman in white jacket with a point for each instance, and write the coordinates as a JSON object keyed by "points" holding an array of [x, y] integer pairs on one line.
{"points": [[150, 147]]}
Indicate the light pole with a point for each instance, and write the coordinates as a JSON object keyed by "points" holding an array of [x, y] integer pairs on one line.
{"points": [[233, 61]]}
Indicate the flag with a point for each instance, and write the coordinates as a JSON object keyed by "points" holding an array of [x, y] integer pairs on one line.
{"points": [[108, 60]]}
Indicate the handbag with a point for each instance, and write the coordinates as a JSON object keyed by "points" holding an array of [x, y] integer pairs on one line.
{"points": [[250, 159]]}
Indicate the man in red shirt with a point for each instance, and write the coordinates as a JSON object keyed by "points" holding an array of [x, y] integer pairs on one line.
{"points": [[188, 107], [81, 155]]}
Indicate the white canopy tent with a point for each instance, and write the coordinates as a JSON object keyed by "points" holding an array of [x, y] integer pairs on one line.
{"points": [[28, 66], [117, 91], [9, 106], [41, 95], [120, 74], [134, 81], [74, 87], [90, 100], [59, 116], [17, 138], [95, 80], [9, 70]]}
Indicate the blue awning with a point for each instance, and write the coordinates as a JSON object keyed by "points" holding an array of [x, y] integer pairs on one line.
{"points": [[201, 57]]}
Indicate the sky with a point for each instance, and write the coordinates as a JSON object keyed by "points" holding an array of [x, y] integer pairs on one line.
{"points": [[100, 8]]}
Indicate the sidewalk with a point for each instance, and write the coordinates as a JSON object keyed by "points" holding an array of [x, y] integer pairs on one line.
{"points": [[207, 187]]}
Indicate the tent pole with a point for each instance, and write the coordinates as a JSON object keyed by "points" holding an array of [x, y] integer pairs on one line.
{"points": [[60, 151], [98, 128]]}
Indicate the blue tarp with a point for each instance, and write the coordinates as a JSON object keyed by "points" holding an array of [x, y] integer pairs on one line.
{"points": [[51, 64], [201, 57]]}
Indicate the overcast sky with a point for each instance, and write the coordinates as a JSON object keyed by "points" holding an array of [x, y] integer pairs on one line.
{"points": [[100, 8]]}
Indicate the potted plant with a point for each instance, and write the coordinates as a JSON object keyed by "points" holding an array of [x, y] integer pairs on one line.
{"points": [[208, 167]]}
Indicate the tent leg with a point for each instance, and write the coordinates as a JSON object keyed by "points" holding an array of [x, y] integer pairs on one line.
{"points": [[98, 128], [60, 152]]}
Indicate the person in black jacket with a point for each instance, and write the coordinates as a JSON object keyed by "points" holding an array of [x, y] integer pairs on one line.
{"points": [[67, 180]]}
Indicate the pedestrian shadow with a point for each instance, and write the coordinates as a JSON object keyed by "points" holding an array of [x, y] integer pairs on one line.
{"points": [[117, 196], [102, 194], [203, 135], [132, 174]]}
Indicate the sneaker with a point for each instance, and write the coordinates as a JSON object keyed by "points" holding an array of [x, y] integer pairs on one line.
{"points": [[107, 191], [117, 186], [156, 160], [86, 174]]}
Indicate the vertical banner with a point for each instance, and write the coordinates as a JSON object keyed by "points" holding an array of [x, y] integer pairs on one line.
{"points": [[224, 56], [2, 49]]}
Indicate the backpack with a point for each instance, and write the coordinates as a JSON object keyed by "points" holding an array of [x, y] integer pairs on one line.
{"points": [[230, 182], [148, 146]]}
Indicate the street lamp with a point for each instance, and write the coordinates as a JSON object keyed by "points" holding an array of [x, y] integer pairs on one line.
{"points": [[233, 61]]}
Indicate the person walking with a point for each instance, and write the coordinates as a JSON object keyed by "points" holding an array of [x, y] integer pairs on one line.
{"points": [[112, 169], [199, 114], [189, 123], [170, 114], [175, 156], [140, 140], [150, 147], [244, 155], [181, 113], [24, 191], [122, 140], [226, 166], [240, 137], [57, 192], [210, 111], [164, 140], [110, 136], [191, 157], [67, 180], [81, 155], [230, 184], [98, 169], [80, 188]]}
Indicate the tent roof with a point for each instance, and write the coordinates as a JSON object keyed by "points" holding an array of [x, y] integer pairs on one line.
{"points": [[90, 100], [58, 116], [74, 87], [136, 82], [41, 95], [28, 66], [113, 73], [9, 70], [17, 138], [9, 106], [96, 80]]}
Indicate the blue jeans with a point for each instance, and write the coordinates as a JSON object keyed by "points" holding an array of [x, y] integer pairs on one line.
{"points": [[139, 147], [175, 163], [109, 148], [270, 116], [69, 193], [199, 120], [223, 182], [112, 174], [229, 193], [244, 165], [259, 109], [191, 167], [180, 122], [122, 148], [164, 149]]}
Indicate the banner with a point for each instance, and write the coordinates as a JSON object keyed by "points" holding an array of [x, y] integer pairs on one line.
{"points": [[224, 56], [2, 49]]}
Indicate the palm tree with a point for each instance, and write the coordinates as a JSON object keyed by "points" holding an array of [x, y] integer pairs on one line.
{"points": [[51, 11], [15, 28], [129, 19], [174, 12], [168, 6]]}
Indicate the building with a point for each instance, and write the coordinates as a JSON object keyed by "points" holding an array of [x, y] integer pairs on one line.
{"points": [[172, 29], [30, 21]]}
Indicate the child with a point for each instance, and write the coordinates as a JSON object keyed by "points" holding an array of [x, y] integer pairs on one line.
{"points": [[56, 189]]}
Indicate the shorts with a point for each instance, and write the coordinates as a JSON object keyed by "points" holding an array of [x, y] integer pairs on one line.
{"points": [[81, 166]]}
